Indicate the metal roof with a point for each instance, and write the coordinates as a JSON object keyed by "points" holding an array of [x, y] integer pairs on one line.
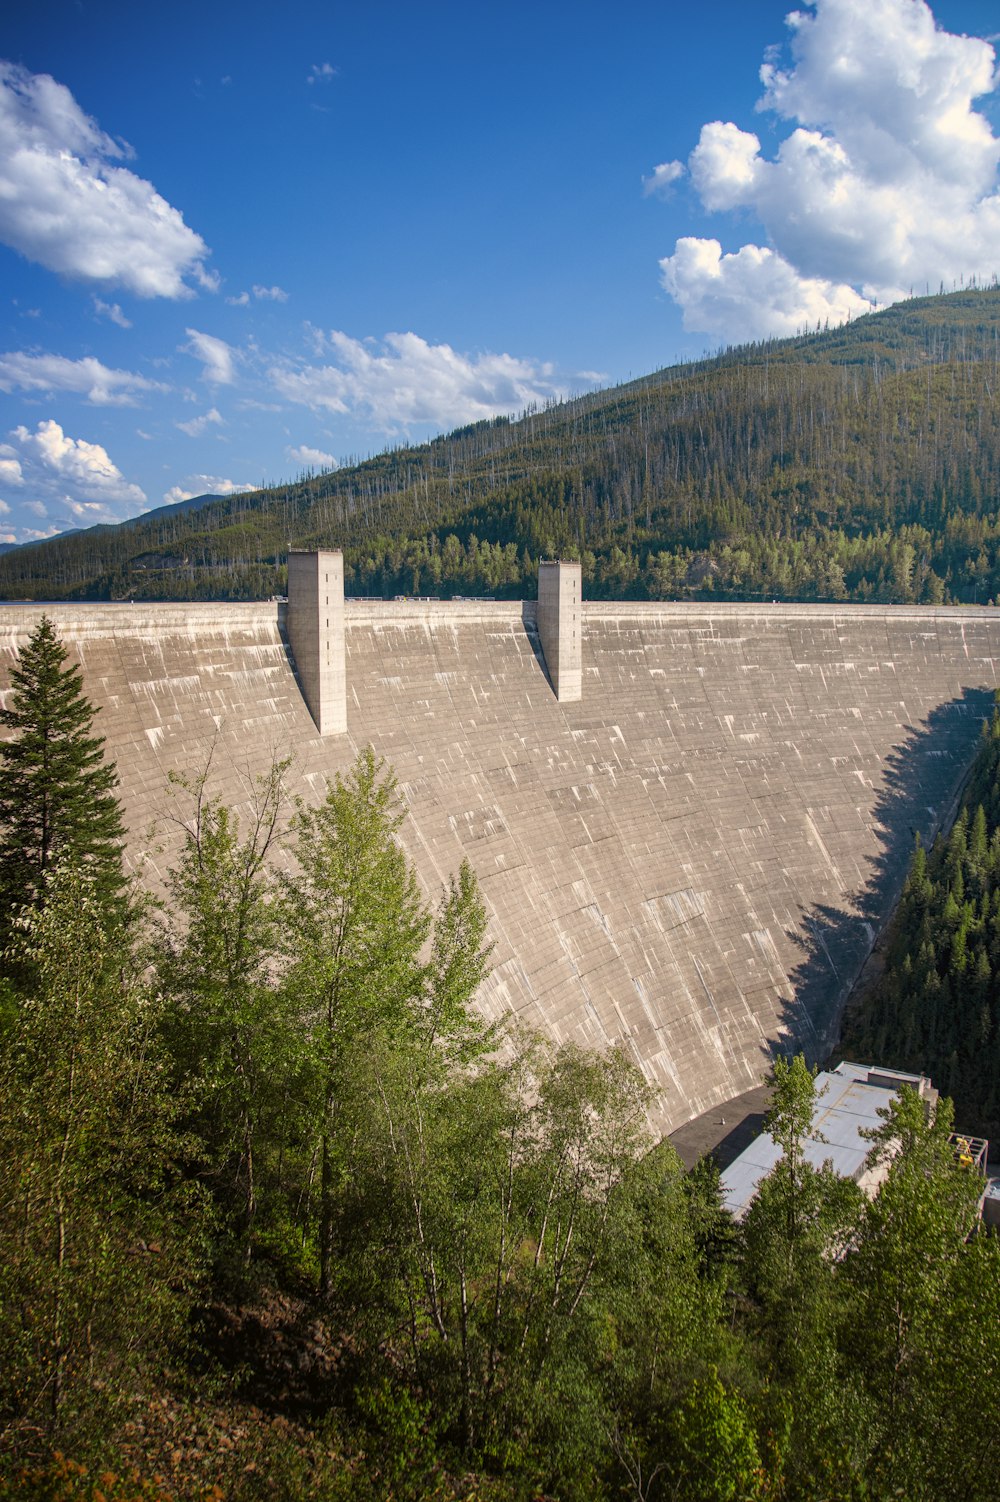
{"points": [[847, 1102]]}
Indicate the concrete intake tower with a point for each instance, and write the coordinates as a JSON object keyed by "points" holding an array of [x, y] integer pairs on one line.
{"points": [[688, 821]]}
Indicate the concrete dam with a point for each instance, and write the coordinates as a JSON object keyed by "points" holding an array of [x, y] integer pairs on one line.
{"points": [[689, 821]]}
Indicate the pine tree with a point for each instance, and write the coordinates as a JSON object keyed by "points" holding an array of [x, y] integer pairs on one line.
{"points": [[57, 793]]}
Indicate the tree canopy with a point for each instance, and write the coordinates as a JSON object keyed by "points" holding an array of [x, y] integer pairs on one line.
{"points": [[282, 1215], [860, 463], [935, 1008], [58, 802]]}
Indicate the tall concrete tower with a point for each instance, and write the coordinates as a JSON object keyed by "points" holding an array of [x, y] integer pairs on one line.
{"points": [[560, 627], [315, 624]]}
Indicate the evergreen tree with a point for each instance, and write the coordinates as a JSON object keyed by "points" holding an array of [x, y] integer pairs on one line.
{"points": [[57, 793]]}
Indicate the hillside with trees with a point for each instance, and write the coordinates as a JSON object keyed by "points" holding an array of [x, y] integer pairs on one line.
{"points": [[860, 463], [935, 1009], [281, 1216]]}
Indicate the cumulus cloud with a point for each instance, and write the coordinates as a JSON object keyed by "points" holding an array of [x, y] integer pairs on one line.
{"points": [[100, 385], [754, 291], [725, 165], [204, 485], [85, 466], [198, 425], [72, 482], [405, 382], [321, 73], [217, 357], [662, 178], [67, 204], [10, 466], [304, 455], [887, 182]]}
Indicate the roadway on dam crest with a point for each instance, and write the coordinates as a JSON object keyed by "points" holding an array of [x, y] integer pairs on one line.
{"points": [[692, 860]]}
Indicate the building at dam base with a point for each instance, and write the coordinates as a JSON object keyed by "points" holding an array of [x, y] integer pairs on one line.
{"points": [[690, 856]]}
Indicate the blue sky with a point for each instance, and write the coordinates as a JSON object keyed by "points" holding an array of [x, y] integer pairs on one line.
{"points": [[241, 241]]}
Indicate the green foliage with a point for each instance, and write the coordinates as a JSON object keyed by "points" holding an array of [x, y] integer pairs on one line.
{"points": [[57, 794], [936, 1007], [497, 1283], [235, 1036], [862, 463], [98, 1243], [355, 926], [909, 1272], [800, 1221], [714, 1450]]}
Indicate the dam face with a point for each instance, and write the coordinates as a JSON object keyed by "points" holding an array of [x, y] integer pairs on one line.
{"points": [[690, 859]]}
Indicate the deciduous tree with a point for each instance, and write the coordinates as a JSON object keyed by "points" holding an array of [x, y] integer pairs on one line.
{"points": [[355, 926], [233, 1030]]}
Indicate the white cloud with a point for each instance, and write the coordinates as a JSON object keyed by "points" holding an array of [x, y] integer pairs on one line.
{"points": [[304, 455], [755, 291], [10, 466], [321, 73], [5, 511], [216, 355], [65, 203], [101, 386], [113, 312], [198, 425], [407, 382], [262, 294], [86, 466], [887, 183], [204, 485], [725, 165], [72, 482], [662, 178]]}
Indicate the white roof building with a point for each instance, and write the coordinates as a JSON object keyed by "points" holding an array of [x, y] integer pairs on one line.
{"points": [[847, 1101]]}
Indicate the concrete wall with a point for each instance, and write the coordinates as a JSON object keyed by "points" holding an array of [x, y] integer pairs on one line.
{"points": [[691, 859]]}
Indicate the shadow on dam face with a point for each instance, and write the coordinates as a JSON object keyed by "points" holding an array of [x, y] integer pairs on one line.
{"points": [[835, 941], [689, 860]]}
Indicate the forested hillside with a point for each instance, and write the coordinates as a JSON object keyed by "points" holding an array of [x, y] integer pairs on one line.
{"points": [[860, 463], [936, 1007]]}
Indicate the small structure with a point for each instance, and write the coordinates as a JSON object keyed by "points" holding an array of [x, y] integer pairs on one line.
{"points": [[560, 628], [847, 1101], [314, 621], [970, 1151]]}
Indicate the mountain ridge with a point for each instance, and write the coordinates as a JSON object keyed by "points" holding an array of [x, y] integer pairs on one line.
{"points": [[861, 462]]}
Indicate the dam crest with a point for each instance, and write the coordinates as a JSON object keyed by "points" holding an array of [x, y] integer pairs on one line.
{"points": [[688, 821]]}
